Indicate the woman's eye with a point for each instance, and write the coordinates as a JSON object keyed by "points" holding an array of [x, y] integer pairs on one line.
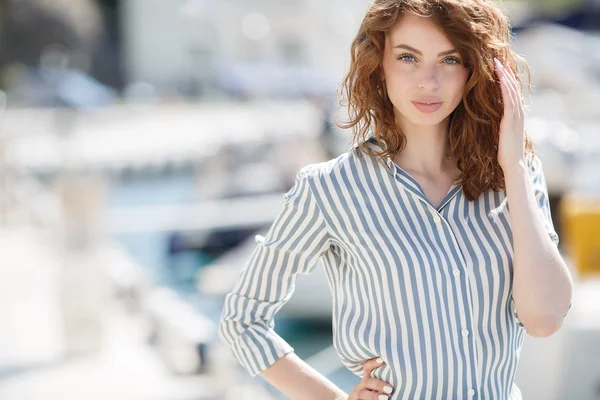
{"points": [[456, 60], [403, 57], [409, 58]]}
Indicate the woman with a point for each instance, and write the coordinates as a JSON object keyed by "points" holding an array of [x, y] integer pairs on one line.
{"points": [[432, 230]]}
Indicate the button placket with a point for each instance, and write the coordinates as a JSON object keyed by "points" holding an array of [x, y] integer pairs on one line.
{"points": [[465, 284]]}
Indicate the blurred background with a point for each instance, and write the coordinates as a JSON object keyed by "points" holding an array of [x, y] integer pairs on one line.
{"points": [[144, 144]]}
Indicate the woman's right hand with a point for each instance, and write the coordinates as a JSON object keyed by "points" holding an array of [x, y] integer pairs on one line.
{"points": [[371, 388]]}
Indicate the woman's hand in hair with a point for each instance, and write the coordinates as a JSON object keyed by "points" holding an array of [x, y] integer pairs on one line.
{"points": [[511, 146]]}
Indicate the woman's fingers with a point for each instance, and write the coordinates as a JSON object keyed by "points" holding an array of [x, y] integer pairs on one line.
{"points": [[369, 387], [518, 96], [370, 365], [503, 84], [378, 386], [369, 395], [509, 86], [515, 89]]}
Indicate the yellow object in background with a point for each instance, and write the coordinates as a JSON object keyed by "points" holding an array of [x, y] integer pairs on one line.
{"points": [[580, 219]]}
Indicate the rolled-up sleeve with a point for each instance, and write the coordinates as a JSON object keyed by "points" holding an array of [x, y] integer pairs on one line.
{"points": [[295, 241]]}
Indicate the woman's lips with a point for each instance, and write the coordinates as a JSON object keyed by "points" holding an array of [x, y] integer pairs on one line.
{"points": [[427, 108]]}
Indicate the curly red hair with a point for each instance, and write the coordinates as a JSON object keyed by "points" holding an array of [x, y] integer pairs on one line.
{"points": [[480, 32]]}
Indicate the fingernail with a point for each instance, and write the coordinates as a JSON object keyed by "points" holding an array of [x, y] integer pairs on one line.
{"points": [[383, 397], [379, 360], [498, 63], [387, 389]]}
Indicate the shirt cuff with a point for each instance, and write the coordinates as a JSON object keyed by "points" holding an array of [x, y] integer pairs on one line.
{"points": [[258, 348]]}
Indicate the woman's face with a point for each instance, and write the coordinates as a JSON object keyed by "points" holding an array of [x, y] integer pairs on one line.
{"points": [[420, 66]]}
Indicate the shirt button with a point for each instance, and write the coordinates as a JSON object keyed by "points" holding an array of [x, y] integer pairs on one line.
{"points": [[465, 332], [437, 219], [471, 392], [456, 272]]}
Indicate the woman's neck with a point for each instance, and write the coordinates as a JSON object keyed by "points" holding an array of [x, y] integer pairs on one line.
{"points": [[425, 151]]}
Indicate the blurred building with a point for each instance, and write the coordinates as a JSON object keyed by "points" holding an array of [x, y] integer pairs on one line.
{"points": [[260, 47]]}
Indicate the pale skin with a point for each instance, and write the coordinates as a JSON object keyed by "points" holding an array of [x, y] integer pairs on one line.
{"points": [[410, 76], [542, 285]]}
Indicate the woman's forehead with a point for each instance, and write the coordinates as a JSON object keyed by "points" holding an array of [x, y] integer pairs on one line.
{"points": [[418, 32]]}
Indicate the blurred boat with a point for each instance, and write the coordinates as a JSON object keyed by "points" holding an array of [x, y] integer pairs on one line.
{"points": [[217, 235], [158, 139]]}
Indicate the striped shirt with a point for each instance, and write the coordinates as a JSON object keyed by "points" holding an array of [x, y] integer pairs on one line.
{"points": [[427, 289]]}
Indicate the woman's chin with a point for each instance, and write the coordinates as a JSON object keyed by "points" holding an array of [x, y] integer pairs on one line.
{"points": [[428, 119]]}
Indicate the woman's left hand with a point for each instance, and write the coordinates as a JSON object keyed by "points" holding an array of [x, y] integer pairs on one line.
{"points": [[511, 145]]}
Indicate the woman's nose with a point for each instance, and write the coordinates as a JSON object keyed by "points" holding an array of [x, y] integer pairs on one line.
{"points": [[428, 80]]}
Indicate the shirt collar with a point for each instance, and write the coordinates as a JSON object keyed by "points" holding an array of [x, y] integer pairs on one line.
{"points": [[405, 178]]}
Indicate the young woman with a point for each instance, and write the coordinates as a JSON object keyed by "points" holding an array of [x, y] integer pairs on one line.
{"points": [[433, 229]]}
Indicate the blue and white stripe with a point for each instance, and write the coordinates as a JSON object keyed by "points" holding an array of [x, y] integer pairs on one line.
{"points": [[427, 289]]}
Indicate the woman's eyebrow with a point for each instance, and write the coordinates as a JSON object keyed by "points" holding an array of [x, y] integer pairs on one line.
{"points": [[407, 47]]}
